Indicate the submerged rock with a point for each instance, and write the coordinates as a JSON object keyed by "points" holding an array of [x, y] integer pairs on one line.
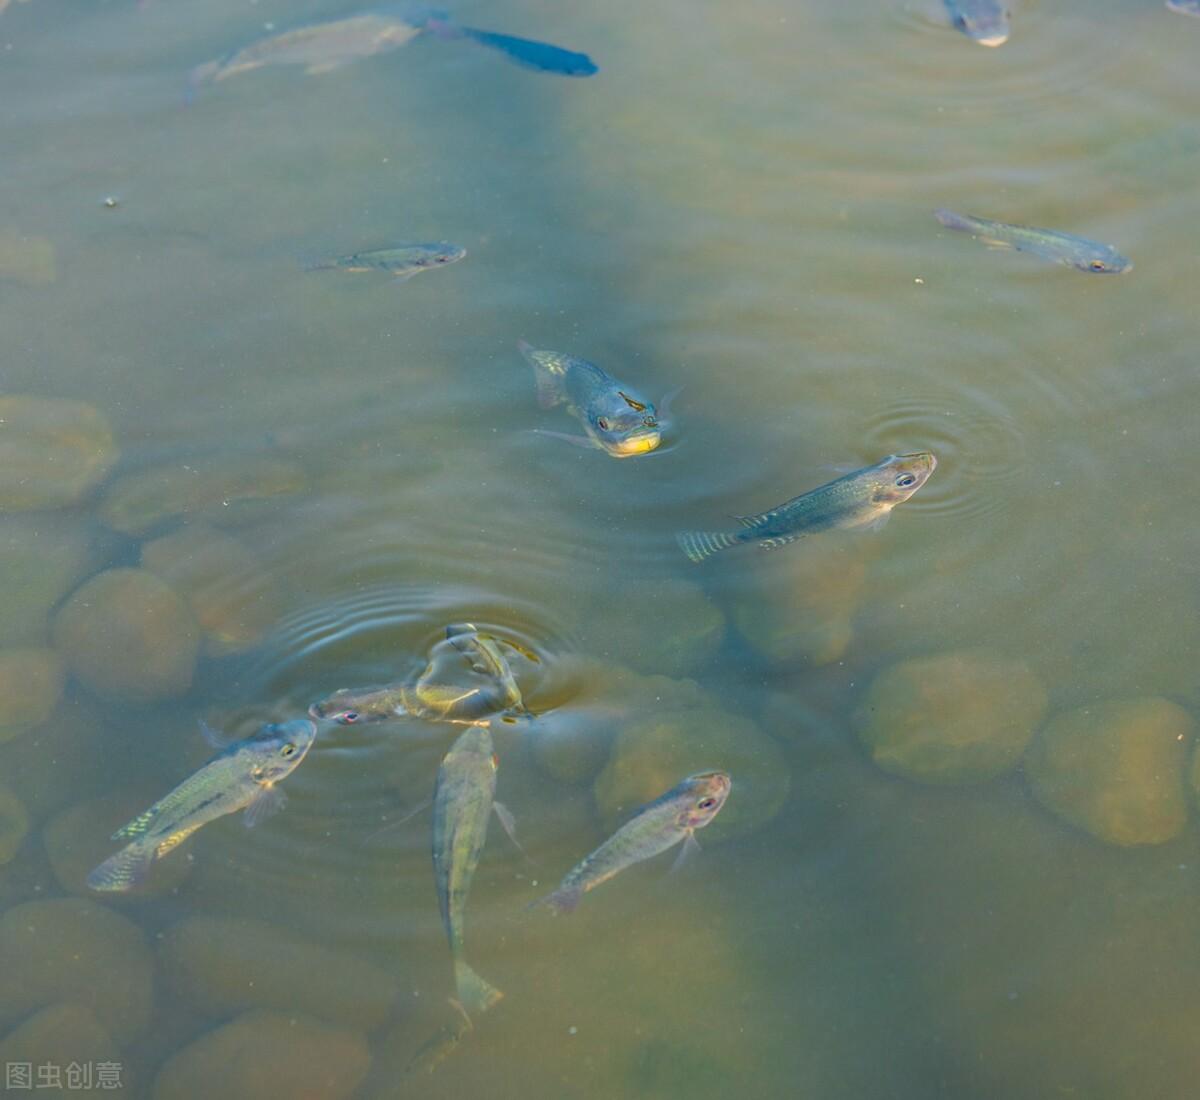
{"points": [[1116, 769], [52, 451], [79, 838], [14, 824], [138, 502], [653, 753], [73, 950], [127, 635], [798, 603], [69, 1038], [234, 599], [265, 1054], [56, 763], [41, 557], [962, 717], [31, 684], [224, 965], [677, 628]]}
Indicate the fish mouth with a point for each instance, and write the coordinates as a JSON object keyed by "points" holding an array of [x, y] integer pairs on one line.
{"points": [[991, 38], [639, 444]]}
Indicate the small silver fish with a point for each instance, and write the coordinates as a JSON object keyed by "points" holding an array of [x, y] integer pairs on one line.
{"points": [[463, 801], [1049, 244], [402, 261], [244, 776], [1184, 7], [669, 819], [983, 21]]}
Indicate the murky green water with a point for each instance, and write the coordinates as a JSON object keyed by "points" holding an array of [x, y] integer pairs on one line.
{"points": [[740, 203]]}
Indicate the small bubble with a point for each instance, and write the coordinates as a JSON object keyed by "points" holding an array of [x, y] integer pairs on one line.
{"points": [[112, 202], [572, 1030], [919, 281]]}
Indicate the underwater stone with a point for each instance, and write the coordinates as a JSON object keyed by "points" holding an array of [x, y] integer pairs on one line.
{"points": [[127, 635], [41, 557], [1115, 769], [63, 1035], [224, 965], [953, 718], [138, 502], [69, 949], [797, 603], [233, 598], [14, 824], [52, 451], [653, 754], [267, 1054], [78, 839], [31, 684]]}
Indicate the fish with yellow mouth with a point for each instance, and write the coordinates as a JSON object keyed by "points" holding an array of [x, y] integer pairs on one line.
{"points": [[614, 416]]}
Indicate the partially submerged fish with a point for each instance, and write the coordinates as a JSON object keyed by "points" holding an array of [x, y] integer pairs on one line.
{"points": [[669, 819], [1049, 244], [319, 47], [984, 21], [862, 499], [616, 418], [1185, 7], [436, 694], [402, 261], [463, 800], [244, 776], [529, 54]]}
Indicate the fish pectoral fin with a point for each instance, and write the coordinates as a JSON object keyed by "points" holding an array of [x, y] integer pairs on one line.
{"points": [[269, 800], [216, 738], [668, 399], [510, 826], [879, 522], [578, 440], [689, 850], [392, 826]]}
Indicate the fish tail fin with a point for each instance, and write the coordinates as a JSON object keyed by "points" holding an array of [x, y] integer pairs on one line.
{"points": [[952, 220], [564, 900], [123, 871], [547, 381], [474, 993], [699, 545], [198, 77]]}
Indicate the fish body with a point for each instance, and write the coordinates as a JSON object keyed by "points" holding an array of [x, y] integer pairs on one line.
{"points": [[671, 818], [243, 776], [319, 47], [1185, 7], [487, 658], [534, 55], [352, 706], [614, 416], [1049, 244], [402, 261], [862, 499], [462, 808], [983, 21]]}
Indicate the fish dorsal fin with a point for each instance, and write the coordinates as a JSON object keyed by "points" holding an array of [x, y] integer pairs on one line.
{"points": [[755, 520]]}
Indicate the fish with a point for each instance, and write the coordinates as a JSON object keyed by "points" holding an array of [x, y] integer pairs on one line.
{"points": [[243, 776], [1184, 7], [860, 500], [615, 417], [434, 696], [463, 801], [983, 21], [1049, 244], [540, 56], [671, 818], [319, 47], [402, 261]]}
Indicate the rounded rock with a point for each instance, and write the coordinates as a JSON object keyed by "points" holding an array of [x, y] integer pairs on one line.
{"points": [[232, 597], [127, 635], [62, 1035], [953, 718], [31, 685], [263, 1054], [654, 754], [41, 557], [225, 965], [1116, 769], [69, 949], [52, 451], [14, 824]]}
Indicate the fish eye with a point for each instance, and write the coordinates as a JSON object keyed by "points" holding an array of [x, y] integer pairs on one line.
{"points": [[288, 750], [650, 422], [349, 717], [905, 480], [706, 803], [1097, 265], [602, 424]]}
